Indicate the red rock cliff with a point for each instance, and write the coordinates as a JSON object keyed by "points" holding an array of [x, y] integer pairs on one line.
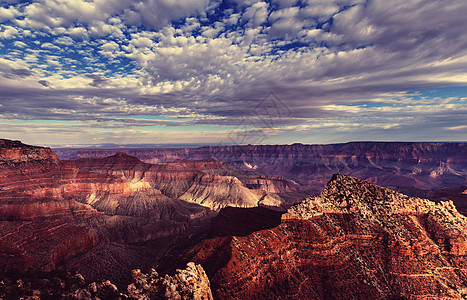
{"points": [[52, 213], [354, 241], [207, 182], [409, 167]]}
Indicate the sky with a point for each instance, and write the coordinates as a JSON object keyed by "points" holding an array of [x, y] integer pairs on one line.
{"points": [[232, 72]]}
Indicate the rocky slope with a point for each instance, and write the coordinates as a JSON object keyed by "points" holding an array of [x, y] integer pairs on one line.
{"points": [[190, 283], [420, 166], [105, 216], [207, 182], [54, 214], [355, 240]]}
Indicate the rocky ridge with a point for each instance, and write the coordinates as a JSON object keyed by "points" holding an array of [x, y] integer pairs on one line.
{"points": [[354, 241], [344, 194]]}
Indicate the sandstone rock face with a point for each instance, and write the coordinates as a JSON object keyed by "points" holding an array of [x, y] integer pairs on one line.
{"points": [[54, 214], [353, 241], [423, 166], [208, 182], [106, 216], [189, 283]]}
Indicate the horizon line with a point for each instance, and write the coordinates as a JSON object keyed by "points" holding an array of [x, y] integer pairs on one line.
{"points": [[112, 146]]}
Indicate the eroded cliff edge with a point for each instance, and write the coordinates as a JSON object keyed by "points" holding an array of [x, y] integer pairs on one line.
{"points": [[354, 241], [109, 215]]}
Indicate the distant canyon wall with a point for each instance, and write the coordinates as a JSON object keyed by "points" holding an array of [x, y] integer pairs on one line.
{"points": [[412, 166]]}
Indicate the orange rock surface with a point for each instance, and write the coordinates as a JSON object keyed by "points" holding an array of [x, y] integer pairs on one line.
{"points": [[109, 215], [354, 241]]}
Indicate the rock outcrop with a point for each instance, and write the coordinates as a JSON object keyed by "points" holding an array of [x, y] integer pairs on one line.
{"points": [[190, 283], [15, 151], [355, 240]]}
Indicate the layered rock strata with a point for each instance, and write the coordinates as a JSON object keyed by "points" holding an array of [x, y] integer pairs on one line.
{"points": [[105, 216], [420, 166], [355, 240], [54, 214], [206, 182]]}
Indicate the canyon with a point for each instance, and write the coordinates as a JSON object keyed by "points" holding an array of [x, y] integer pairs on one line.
{"points": [[235, 222], [81, 215], [208, 182], [415, 168], [355, 240]]}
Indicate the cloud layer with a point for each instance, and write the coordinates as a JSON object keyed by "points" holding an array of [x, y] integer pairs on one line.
{"points": [[165, 71]]}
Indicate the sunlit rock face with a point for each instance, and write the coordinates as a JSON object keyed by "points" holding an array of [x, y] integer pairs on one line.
{"points": [[54, 214], [208, 182], [407, 166], [100, 216], [355, 240]]}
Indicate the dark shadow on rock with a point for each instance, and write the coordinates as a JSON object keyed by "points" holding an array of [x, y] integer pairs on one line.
{"points": [[235, 221]]}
